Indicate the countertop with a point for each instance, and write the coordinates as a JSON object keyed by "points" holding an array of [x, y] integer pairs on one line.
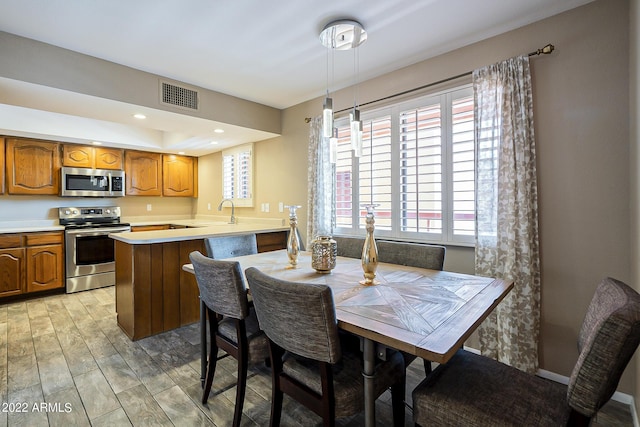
{"points": [[197, 229]]}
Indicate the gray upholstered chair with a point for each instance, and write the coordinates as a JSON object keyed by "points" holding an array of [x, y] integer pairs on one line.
{"points": [[233, 325], [411, 254], [221, 248], [473, 390], [350, 247], [231, 246], [309, 360]]}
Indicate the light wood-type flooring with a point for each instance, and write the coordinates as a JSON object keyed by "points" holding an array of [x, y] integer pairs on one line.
{"points": [[65, 362]]}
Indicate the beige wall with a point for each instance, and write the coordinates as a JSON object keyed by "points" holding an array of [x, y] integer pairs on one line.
{"points": [[582, 127]]}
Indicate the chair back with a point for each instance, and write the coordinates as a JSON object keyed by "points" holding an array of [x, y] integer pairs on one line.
{"points": [[231, 246], [350, 247], [608, 338], [298, 317], [411, 254], [221, 285]]}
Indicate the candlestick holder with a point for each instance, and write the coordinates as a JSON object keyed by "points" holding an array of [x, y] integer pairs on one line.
{"points": [[370, 250], [293, 243]]}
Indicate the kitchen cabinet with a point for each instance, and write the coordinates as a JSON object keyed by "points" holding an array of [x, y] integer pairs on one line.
{"points": [[150, 227], [143, 173], [179, 176], [31, 262], [32, 167], [86, 156]]}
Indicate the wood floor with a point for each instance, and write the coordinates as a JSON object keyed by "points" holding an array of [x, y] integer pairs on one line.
{"points": [[64, 362]]}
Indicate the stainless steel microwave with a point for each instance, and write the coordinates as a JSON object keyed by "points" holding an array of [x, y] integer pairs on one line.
{"points": [[85, 182]]}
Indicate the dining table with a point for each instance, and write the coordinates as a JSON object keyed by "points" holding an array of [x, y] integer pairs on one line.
{"points": [[427, 313]]}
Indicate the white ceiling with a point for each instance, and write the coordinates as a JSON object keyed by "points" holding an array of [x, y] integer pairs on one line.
{"points": [[264, 51]]}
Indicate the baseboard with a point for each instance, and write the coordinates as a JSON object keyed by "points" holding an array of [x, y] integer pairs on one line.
{"points": [[627, 399]]}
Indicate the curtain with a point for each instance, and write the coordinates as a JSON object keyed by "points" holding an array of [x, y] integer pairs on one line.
{"points": [[507, 209], [321, 203]]}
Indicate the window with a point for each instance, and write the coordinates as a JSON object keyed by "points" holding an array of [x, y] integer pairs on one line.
{"points": [[237, 175], [417, 164]]}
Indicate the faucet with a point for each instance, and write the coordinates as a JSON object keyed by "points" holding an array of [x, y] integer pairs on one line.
{"points": [[233, 209]]}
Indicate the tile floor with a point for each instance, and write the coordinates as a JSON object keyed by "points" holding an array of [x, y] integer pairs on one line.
{"points": [[65, 362]]}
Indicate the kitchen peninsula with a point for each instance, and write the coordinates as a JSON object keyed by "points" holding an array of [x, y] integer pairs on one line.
{"points": [[153, 293]]}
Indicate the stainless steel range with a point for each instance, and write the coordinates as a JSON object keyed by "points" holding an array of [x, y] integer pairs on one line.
{"points": [[90, 257]]}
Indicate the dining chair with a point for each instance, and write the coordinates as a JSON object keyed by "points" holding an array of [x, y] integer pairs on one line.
{"points": [[220, 248], [233, 326], [308, 358], [350, 247], [474, 390]]}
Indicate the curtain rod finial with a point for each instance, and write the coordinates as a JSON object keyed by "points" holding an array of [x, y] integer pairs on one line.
{"points": [[307, 119], [544, 51]]}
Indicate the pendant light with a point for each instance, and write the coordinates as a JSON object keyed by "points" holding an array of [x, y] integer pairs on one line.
{"points": [[343, 34]]}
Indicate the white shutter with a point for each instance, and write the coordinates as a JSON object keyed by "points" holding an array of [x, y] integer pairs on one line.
{"points": [[344, 179], [237, 175], [462, 159], [421, 170]]}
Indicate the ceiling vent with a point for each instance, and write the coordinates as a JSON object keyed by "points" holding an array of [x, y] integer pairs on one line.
{"points": [[178, 96]]}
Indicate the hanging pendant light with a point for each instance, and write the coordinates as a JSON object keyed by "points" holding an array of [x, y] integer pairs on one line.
{"points": [[343, 34], [327, 117], [333, 147], [356, 132]]}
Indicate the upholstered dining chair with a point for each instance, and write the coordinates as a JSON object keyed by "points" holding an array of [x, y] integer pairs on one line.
{"points": [[220, 248], [473, 390], [233, 326], [308, 360]]}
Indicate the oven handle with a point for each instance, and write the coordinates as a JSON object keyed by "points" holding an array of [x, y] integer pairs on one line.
{"points": [[97, 231]]}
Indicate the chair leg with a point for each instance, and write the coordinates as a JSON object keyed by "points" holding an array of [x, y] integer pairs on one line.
{"points": [[427, 366], [397, 401], [243, 361], [203, 343], [213, 355], [276, 392]]}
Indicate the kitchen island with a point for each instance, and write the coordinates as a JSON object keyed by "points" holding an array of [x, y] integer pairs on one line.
{"points": [[153, 293]]}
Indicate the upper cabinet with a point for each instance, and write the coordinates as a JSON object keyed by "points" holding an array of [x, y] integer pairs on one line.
{"points": [[143, 173], [86, 156], [179, 176], [32, 167]]}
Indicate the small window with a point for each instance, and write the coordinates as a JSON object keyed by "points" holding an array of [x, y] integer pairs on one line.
{"points": [[237, 175]]}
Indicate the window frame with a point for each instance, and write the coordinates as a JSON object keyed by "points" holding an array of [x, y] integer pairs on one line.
{"points": [[447, 236]]}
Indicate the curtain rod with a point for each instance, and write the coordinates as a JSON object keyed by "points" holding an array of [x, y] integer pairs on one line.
{"points": [[543, 51]]}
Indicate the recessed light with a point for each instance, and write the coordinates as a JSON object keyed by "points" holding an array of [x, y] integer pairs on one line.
{"points": [[218, 130], [214, 142], [140, 116], [180, 152], [96, 143]]}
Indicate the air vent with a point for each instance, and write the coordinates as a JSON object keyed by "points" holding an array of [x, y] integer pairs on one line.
{"points": [[179, 96]]}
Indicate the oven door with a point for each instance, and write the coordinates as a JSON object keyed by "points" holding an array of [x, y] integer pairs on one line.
{"points": [[90, 250]]}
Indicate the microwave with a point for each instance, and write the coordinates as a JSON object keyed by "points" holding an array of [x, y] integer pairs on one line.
{"points": [[85, 182]]}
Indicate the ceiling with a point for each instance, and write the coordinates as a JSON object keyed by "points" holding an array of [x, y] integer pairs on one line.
{"points": [[263, 51]]}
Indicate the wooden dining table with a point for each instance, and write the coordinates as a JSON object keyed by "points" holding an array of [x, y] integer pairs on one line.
{"points": [[423, 312]]}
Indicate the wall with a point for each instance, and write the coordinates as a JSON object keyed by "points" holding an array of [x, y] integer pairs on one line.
{"points": [[634, 72], [582, 126]]}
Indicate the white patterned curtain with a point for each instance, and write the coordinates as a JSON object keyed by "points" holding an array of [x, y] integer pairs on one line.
{"points": [[507, 209], [321, 204]]}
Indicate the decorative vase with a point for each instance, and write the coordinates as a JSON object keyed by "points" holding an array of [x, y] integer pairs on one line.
{"points": [[324, 251], [369, 250], [293, 243]]}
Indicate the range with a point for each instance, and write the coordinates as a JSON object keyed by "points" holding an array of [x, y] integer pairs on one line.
{"points": [[90, 255]]}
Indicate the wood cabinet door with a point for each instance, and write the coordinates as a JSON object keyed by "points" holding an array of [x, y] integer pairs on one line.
{"points": [[109, 158], [33, 167], [11, 271], [1, 165], [77, 156], [44, 268], [143, 173], [178, 175]]}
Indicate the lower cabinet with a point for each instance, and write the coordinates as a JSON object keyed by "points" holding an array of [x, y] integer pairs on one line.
{"points": [[31, 262]]}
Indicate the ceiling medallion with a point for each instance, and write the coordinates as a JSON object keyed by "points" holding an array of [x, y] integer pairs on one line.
{"points": [[343, 34]]}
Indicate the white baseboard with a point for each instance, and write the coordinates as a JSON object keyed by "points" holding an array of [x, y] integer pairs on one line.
{"points": [[627, 399]]}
